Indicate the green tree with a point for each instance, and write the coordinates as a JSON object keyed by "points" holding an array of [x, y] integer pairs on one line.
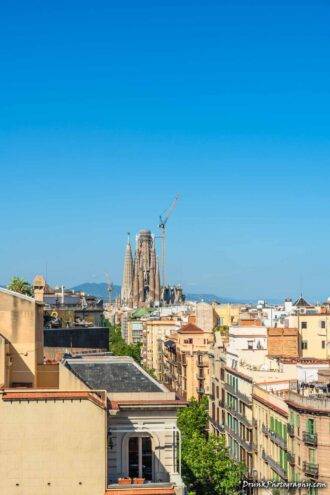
{"points": [[206, 466], [20, 285], [119, 347]]}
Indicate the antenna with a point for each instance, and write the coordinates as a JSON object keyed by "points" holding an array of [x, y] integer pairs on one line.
{"points": [[163, 219]]}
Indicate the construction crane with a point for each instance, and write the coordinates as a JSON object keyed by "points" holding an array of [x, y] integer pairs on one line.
{"points": [[163, 219]]}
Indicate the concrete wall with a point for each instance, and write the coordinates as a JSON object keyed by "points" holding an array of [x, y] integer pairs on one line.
{"points": [[68, 381], [21, 323], [52, 447], [48, 376]]}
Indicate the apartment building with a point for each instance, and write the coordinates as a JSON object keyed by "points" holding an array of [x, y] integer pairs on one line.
{"points": [[314, 331], [155, 332], [228, 314], [270, 413], [186, 361], [231, 408], [309, 436]]}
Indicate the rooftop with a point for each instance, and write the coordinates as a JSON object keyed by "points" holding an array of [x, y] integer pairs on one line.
{"points": [[190, 328], [113, 373]]}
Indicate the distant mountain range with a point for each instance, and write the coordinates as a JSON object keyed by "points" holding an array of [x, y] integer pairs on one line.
{"points": [[101, 290]]}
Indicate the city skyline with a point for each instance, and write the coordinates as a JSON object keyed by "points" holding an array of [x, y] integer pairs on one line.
{"points": [[227, 106]]}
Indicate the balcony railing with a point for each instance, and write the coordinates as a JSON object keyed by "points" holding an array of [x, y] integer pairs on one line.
{"points": [[244, 398], [274, 465], [216, 425], [274, 437], [310, 438], [201, 364], [244, 443], [238, 415], [290, 430], [311, 469], [291, 459]]}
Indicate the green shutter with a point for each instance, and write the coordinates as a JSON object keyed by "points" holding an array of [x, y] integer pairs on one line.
{"points": [[310, 426], [285, 432]]}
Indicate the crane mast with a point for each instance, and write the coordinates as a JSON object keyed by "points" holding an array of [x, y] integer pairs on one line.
{"points": [[163, 219]]}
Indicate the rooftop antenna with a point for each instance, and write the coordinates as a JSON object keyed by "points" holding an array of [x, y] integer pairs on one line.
{"points": [[163, 219]]}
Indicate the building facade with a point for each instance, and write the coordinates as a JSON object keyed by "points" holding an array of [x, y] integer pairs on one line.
{"points": [[186, 362]]}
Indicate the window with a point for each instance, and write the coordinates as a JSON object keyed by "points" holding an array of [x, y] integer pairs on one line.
{"points": [[312, 456], [322, 323], [304, 324], [304, 344], [250, 344], [140, 458], [310, 426], [323, 344]]}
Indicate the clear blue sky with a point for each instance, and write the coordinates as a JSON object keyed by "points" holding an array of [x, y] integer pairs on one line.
{"points": [[110, 108]]}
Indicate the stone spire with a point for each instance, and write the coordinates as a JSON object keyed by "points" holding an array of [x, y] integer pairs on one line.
{"points": [[127, 285]]}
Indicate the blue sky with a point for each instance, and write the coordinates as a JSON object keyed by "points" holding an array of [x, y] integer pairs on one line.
{"points": [[108, 109]]}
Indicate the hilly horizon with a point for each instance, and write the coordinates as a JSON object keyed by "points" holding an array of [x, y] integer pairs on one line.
{"points": [[101, 290]]}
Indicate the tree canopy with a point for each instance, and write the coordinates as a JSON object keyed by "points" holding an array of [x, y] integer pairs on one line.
{"points": [[207, 468], [20, 285], [119, 347]]}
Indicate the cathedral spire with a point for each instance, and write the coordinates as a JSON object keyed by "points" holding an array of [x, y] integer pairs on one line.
{"points": [[126, 288]]}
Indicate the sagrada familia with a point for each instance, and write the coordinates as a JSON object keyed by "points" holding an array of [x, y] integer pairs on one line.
{"points": [[141, 280]]}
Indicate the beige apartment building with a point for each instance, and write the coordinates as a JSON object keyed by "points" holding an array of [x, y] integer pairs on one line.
{"points": [[271, 459], [309, 436], [228, 314], [210, 316], [314, 332], [292, 433], [154, 333], [186, 362], [96, 425], [272, 420], [231, 409]]}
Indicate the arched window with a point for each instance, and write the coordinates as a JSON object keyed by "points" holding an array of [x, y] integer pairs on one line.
{"points": [[140, 458]]}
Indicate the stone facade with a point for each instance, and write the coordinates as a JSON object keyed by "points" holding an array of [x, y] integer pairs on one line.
{"points": [[141, 283]]}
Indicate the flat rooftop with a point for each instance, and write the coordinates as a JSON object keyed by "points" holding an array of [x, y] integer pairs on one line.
{"points": [[114, 374]]}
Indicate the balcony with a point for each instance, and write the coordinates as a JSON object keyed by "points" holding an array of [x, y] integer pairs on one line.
{"points": [[291, 459], [200, 390], [310, 438], [244, 443], [274, 437], [274, 465], [149, 488], [216, 425], [311, 470], [201, 364], [290, 430], [244, 398], [239, 416]]}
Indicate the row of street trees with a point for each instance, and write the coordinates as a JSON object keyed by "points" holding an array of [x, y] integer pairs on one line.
{"points": [[207, 468]]}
